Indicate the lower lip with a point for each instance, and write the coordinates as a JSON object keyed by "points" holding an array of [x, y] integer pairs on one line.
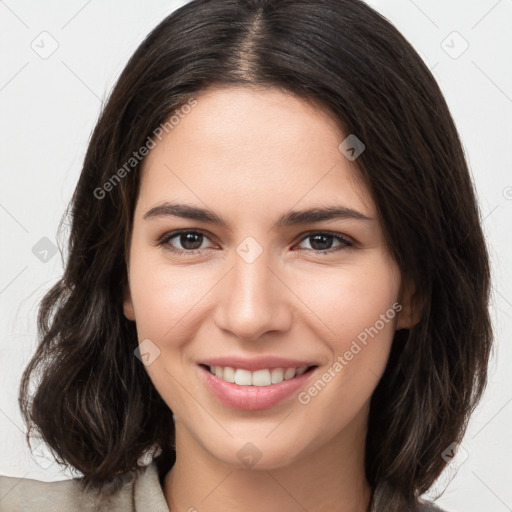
{"points": [[252, 398]]}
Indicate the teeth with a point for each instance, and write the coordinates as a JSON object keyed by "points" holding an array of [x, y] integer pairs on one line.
{"points": [[257, 378]]}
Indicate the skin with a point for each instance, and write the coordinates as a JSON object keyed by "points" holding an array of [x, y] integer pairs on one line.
{"points": [[250, 155]]}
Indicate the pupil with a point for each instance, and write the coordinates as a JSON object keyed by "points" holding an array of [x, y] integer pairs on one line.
{"points": [[327, 240], [187, 239]]}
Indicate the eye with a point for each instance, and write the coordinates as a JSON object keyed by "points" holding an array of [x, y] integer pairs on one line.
{"points": [[322, 241], [191, 241]]}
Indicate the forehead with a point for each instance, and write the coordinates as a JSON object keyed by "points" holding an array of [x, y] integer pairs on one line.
{"points": [[253, 146]]}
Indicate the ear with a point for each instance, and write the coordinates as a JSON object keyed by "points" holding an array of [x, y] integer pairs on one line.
{"points": [[128, 309], [410, 314]]}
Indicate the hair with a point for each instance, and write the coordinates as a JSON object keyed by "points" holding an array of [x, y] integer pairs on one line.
{"points": [[94, 404]]}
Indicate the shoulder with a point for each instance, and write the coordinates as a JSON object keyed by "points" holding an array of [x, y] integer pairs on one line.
{"points": [[24, 494], [141, 491]]}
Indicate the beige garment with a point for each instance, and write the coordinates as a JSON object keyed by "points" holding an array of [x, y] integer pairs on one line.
{"points": [[142, 494]]}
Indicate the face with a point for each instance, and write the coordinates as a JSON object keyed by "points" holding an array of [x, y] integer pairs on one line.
{"points": [[253, 283]]}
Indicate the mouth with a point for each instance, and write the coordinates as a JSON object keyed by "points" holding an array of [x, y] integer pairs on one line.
{"points": [[258, 378], [255, 390]]}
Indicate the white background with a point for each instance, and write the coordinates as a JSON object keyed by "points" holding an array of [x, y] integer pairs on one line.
{"points": [[50, 105]]}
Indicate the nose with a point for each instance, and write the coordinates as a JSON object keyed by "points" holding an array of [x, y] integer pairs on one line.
{"points": [[254, 300]]}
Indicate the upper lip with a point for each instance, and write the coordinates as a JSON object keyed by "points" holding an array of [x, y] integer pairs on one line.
{"points": [[257, 363]]}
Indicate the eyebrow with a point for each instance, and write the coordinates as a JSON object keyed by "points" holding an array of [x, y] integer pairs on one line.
{"points": [[288, 219]]}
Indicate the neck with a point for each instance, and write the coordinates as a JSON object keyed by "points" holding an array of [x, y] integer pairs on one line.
{"points": [[330, 478]]}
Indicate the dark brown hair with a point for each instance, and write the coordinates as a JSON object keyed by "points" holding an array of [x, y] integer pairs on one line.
{"points": [[95, 405]]}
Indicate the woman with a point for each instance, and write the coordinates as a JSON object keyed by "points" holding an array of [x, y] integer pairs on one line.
{"points": [[277, 283]]}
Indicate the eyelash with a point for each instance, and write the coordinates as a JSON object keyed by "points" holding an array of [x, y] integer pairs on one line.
{"points": [[164, 241]]}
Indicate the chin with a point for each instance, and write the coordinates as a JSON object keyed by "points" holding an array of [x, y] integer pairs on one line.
{"points": [[256, 454]]}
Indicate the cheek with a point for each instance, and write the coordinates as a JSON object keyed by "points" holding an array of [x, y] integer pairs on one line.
{"points": [[168, 302], [164, 296], [356, 309]]}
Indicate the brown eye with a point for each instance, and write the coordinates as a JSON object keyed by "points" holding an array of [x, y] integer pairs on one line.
{"points": [[323, 242], [190, 241]]}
